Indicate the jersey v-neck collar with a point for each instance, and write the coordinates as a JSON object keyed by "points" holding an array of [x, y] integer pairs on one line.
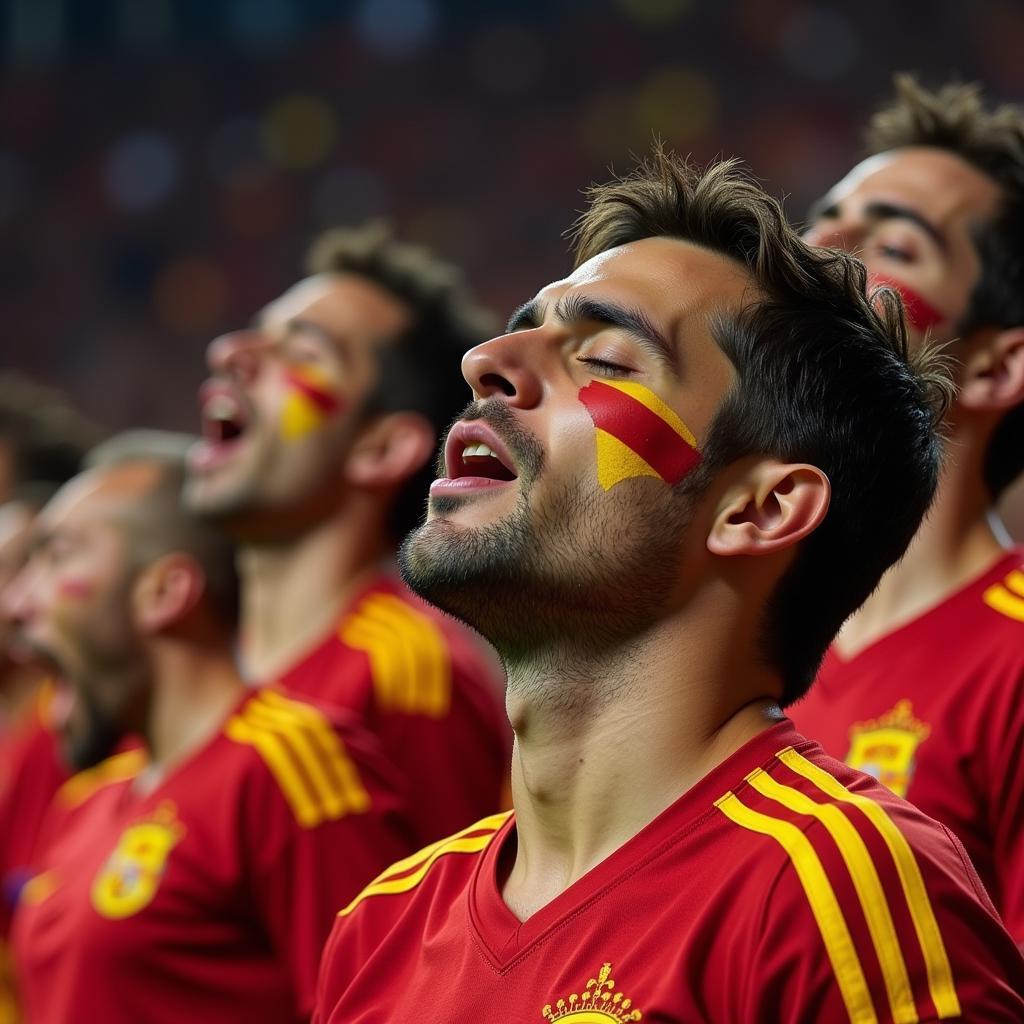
{"points": [[505, 940], [930, 619]]}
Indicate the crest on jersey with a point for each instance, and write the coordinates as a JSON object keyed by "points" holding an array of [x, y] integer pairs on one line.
{"points": [[886, 747], [598, 1003], [131, 876]]}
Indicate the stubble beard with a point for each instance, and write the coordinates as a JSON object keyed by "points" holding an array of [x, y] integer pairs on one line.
{"points": [[569, 582]]}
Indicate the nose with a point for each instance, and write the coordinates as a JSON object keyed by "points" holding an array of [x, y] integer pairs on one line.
{"points": [[237, 355], [504, 366]]}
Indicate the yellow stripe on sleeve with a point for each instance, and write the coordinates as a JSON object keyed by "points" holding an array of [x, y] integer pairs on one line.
{"points": [[407, 652], [867, 884], [328, 744], [1015, 581], [271, 747], [825, 907], [420, 863], [328, 793], [1001, 600], [937, 966]]}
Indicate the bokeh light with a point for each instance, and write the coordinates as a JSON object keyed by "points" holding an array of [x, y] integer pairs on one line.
{"points": [[140, 171], [299, 131], [190, 295], [395, 27]]}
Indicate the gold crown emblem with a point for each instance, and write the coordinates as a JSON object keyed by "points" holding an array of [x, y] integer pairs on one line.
{"points": [[900, 717], [598, 1001]]}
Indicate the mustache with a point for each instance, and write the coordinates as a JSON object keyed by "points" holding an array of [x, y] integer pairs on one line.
{"points": [[523, 446]]}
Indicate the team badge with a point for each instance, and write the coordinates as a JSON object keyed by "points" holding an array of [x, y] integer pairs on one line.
{"points": [[885, 747], [598, 1003], [131, 876]]}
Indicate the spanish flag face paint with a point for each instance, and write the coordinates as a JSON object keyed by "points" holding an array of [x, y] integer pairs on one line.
{"points": [[312, 398], [919, 313], [637, 434]]}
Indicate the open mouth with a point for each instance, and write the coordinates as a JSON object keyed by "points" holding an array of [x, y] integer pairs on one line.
{"points": [[480, 460], [223, 419], [224, 423], [474, 457]]}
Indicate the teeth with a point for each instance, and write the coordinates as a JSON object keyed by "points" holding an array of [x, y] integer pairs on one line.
{"points": [[477, 449], [221, 407]]}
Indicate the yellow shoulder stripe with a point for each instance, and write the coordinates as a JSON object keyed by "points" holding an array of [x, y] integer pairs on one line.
{"points": [[821, 896], [80, 787], [408, 655], [1007, 597], [866, 883], [304, 754], [412, 870], [939, 972]]}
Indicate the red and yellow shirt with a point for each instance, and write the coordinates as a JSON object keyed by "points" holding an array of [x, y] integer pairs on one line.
{"points": [[935, 710], [210, 897], [421, 684], [782, 887]]}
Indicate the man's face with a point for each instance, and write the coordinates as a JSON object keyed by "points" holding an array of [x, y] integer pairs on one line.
{"points": [[595, 405], [15, 523], [909, 215], [71, 603], [281, 408]]}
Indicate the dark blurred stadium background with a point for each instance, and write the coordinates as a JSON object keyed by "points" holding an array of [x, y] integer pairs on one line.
{"points": [[164, 162]]}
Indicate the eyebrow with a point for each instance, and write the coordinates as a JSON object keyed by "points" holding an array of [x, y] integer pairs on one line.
{"points": [[577, 308], [885, 211]]}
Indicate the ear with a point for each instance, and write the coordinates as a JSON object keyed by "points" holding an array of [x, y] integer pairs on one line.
{"points": [[993, 376], [390, 450], [166, 591], [769, 508]]}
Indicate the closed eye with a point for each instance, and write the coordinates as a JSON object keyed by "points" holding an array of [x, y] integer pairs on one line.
{"points": [[606, 367]]}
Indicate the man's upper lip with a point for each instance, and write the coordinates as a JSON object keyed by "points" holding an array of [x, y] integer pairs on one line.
{"points": [[467, 432]]}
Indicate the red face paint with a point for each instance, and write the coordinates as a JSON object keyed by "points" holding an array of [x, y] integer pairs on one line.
{"points": [[919, 313], [638, 434], [313, 388], [75, 590]]}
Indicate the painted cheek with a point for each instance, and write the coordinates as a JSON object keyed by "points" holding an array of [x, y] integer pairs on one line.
{"points": [[312, 400], [637, 434], [919, 312], [75, 589]]}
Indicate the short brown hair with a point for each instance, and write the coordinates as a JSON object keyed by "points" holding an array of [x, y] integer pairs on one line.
{"points": [[823, 375], [420, 372], [954, 118]]}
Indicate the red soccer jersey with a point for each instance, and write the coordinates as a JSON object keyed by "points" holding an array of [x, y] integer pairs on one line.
{"points": [[784, 886], [31, 772], [421, 685], [935, 710], [209, 898]]}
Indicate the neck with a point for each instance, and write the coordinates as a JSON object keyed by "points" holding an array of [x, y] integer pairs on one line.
{"points": [[294, 591], [959, 540], [195, 687], [604, 743]]}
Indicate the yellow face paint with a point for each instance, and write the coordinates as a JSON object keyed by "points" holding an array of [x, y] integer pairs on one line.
{"points": [[311, 399]]}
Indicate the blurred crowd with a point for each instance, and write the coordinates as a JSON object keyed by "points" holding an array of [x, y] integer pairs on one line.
{"points": [[207, 655]]}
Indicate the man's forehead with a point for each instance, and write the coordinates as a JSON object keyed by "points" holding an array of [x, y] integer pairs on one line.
{"points": [[347, 301], [668, 277], [932, 179], [300, 297]]}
